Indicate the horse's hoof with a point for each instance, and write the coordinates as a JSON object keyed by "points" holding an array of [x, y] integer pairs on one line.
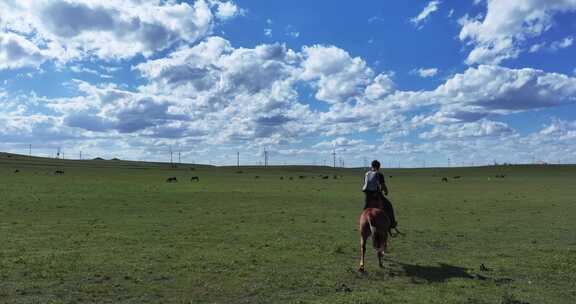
{"points": [[361, 269]]}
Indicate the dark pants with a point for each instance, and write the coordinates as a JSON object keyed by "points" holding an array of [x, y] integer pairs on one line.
{"points": [[375, 199]]}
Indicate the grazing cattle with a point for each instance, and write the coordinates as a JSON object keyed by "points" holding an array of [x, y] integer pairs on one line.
{"points": [[500, 175], [301, 177], [16, 171], [444, 179], [325, 177], [374, 222], [256, 177], [172, 180], [281, 177], [457, 177], [239, 172], [58, 172], [195, 178], [290, 178]]}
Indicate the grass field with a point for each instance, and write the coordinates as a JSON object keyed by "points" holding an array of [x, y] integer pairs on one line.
{"points": [[116, 232]]}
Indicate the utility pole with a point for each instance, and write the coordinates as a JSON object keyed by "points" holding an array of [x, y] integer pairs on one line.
{"points": [[179, 157], [265, 158], [334, 156], [238, 159], [30, 150], [171, 161], [80, 155]]}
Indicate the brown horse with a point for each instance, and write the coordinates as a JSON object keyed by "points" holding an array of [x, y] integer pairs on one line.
{"points": [[376, 223]]}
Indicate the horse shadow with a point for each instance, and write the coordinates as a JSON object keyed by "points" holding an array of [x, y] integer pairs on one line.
{"points": [[434, 274]]}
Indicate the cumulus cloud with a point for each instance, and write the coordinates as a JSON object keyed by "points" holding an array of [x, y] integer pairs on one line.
{"points": [[504, 90], [430, 8], [381, 86], [113, 29], [340, 77], [500, 35], [227, 10], [16, 52], [214, 93]]}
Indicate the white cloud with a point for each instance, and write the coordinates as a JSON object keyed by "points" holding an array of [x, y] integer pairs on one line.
{"points": [[268, 32], [16, 52], [218, 95], [339, 142], [536, 47], [507, 25], [425, 13], [111, 29], [503, 90], [482, 128], [227, 10], [380, 87], [562, 44], [425, 73], [340, 77]]}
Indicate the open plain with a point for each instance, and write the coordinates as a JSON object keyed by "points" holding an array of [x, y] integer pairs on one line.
{"points": [[117, 232]]}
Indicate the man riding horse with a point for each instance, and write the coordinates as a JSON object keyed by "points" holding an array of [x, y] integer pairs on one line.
{"points": [[374, 185], [377, 219]]}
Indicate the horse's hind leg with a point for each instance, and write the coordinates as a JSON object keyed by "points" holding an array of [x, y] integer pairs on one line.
{"points": [[380, 258], [364, 234]]}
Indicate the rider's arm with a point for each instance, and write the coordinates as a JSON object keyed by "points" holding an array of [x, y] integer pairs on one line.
{"points": [[383, 184]]}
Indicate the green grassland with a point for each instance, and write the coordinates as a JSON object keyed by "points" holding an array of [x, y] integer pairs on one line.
{"points": [[116, 232]]}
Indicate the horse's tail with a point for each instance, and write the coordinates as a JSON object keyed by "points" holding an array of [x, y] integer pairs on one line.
{"points": [[380, 237], [377, 235]]}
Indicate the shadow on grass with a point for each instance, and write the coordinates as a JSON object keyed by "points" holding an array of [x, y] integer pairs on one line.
{"points": [[434, 274]]}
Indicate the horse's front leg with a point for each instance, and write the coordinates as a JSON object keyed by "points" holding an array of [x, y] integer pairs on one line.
{"points": [[381, 258]]}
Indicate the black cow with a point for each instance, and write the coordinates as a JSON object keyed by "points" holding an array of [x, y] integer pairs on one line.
{"points": [[58, 172], [172, 179], [444, 179], [195, 178], [16, 171]]}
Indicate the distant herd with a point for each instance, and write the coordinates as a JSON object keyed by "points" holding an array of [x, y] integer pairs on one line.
{"points": [[174, 179]]}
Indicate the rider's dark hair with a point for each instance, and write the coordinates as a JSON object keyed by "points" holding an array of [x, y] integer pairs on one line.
{"points": [[375, 164]]}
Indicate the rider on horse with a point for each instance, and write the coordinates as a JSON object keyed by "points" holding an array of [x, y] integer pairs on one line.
{"points": [[373, 186]]}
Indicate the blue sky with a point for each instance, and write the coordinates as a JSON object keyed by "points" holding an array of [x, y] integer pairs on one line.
{"points": [[406, 82]]}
